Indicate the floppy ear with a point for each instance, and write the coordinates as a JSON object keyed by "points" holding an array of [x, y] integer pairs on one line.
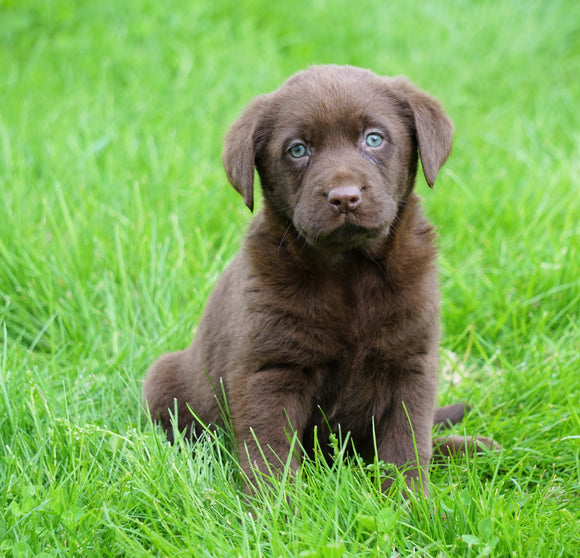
{"points": [[239, 152], [434, 128]]}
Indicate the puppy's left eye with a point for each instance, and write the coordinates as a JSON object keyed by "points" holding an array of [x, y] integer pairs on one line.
{"points": [[298, 150], [373, 139]]}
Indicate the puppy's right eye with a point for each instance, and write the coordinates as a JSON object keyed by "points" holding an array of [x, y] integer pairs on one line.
{"points": [[298, 150]]}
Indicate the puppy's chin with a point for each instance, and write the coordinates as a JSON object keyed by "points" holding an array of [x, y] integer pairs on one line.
{"points": [[345, 237]]}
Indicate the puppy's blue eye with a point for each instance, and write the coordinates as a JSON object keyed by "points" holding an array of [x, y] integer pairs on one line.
{"points": [[298, 151], [373, 140]]}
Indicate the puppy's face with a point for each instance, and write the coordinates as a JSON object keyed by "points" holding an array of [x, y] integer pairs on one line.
{"points": [[336, 151]]}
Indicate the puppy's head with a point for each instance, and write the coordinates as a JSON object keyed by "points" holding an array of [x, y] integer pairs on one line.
{"points": [[336, 148]]}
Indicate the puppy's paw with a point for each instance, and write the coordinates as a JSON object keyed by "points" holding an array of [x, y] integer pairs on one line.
{"points": [[447, 446]]}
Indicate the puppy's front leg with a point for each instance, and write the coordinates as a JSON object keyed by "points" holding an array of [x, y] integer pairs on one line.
{"points": [[266, 407], [404, 436]]}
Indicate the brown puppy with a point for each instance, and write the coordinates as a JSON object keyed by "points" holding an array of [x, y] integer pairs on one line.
{"points": [[328, 317]]}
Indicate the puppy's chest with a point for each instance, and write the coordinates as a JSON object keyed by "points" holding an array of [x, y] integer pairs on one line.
{"points": [[353, 310]]}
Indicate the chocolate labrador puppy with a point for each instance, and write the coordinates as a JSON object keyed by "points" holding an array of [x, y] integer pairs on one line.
{"points": [[328, 317]]}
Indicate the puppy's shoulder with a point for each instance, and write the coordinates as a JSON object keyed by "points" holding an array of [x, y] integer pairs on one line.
{"points": [[268, 244], [413, 248]]}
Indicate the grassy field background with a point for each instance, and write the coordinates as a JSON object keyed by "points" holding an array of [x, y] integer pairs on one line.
{"points": [[116, 220]]}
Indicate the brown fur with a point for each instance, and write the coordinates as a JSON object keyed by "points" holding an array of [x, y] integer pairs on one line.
{"points": [[328, 317]]}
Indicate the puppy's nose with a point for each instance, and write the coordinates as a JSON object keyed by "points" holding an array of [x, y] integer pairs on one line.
{"points": [[345, 198]]}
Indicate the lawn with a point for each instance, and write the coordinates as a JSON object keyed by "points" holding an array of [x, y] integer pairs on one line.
{"points": [[116, 220]]}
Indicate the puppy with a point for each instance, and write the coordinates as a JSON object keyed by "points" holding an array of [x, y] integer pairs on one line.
{"points": [[328, 317]]}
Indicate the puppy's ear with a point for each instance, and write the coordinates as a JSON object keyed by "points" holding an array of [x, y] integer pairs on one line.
{"points": [[239, 152], [434, 127]]}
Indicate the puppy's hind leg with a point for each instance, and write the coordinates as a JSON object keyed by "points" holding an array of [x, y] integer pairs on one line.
{"points": [[169, 394], [445, 446]]}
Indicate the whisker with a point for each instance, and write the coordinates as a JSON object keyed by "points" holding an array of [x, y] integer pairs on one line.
{"points": [[290, 225]]}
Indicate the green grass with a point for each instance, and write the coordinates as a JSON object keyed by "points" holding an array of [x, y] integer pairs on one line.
{"points": [[116, 220]]}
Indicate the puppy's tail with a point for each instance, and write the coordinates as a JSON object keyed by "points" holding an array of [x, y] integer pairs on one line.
{"points": [[450, 415], [446, 446]]}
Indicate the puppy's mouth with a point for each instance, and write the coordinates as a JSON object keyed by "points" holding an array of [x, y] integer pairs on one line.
{"points": [[347, 236]]}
